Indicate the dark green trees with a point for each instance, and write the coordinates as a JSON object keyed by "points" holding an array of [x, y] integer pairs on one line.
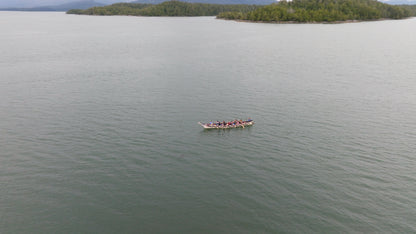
{"points": [[283, 11], [170, 8], [322, 11]]}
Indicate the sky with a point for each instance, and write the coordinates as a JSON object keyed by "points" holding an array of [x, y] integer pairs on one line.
{"points": [[33, 3]]}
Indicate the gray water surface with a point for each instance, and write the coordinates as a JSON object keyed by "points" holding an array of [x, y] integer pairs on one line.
{"points": [[99, 133]]}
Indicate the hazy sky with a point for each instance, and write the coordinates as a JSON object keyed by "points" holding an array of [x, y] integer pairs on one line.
{"points": [[31, 3]]}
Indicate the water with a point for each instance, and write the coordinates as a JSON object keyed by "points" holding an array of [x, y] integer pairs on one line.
{"points": [[99, 134]]}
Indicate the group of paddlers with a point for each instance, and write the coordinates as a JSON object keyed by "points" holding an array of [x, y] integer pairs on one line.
{"points": [[234, 123]]}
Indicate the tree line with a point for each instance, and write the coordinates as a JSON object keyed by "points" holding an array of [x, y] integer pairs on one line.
{"points": [[283, 11], [323, 11], [170, 8]]}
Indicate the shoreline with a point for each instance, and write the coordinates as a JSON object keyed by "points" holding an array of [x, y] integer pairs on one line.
{"points": [[313, 22]]}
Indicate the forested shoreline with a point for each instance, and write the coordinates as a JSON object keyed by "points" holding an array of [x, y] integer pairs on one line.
{"points": [[322, 11], [169, 8], [296, 11]]}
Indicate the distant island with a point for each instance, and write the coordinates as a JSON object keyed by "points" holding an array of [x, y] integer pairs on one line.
{"points": [[296, 11], [170, 8]]}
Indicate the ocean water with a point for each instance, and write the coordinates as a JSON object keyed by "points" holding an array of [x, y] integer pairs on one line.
{"points": [[99, 133]]}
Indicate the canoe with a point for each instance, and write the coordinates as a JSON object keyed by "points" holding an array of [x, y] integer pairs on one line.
{"points": [[228, 125]]}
